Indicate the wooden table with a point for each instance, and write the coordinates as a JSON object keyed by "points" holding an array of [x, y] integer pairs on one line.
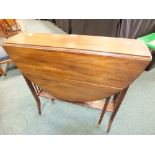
{"points": [[78, 68]]}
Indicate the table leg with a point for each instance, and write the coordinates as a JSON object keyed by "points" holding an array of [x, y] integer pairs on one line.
{"points": [[117, 104], [34, 94], [1, 71], [103, 111]]}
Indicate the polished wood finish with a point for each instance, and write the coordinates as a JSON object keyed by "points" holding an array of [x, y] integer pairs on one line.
{"points": [[79, 69], [85, 75], [83, 42], [92, 104]]}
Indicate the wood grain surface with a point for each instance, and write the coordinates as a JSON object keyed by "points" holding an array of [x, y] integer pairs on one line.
{"points": [[78, 68], [83, 42]]}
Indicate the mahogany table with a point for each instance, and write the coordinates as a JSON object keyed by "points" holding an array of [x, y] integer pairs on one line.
{"points": [[77, 68]]}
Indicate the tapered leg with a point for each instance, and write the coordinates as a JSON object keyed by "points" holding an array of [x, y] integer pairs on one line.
{"points": [[34, 94], [52, 99], [114, 98], [103, 111], [117, 103], [1, 71]]}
